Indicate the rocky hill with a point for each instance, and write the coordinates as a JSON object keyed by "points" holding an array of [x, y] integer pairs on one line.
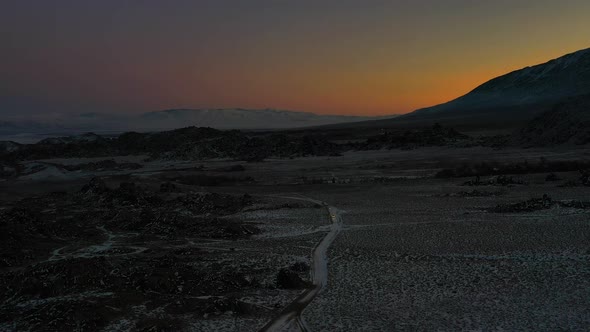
{"points": [[567, 122]]}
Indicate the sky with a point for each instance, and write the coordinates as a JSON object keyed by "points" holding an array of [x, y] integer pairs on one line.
{"points": [[363, 57]]}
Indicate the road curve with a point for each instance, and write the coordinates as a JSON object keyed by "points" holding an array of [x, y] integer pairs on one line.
{"points": [[291, 317]]}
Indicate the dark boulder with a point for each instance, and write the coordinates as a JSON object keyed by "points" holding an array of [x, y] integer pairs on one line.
{"points": [[288, 279]]}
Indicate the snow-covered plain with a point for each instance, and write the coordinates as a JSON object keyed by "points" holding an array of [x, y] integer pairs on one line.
{"points": [[408, 257]]}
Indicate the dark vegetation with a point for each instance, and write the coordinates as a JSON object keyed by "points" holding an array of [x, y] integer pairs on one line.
{"points": [[208, 180], [474, 193], [204, 143], [583, 180], [500, 180], [187, 143], [103, 165], [232, 168], [290, 277], [437, 135], [533, 204], [496, 168], [538, 204], [552, 177]]}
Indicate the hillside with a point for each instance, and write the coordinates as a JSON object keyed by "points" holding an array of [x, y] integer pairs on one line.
{"points": [[508, 101], [567, 122], [564, 77]]}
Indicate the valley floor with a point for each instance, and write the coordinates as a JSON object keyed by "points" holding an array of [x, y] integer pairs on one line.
{"points": [[413, 252]]}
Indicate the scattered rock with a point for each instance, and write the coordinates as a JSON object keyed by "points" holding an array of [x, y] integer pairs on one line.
{"points": [[95, 186], [300, 267], [8, 170], [537, 204], [437, 135], [585, 177], [501, 180], [533, 204], [168, 187], [474, 193], [104, 165], [288, 279], [232, 168], [575, 205]]}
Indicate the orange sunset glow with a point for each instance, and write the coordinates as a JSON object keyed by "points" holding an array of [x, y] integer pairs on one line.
{"points": [[380, 58]]}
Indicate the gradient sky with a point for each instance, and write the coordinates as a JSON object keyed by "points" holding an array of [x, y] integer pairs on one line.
{"points": [[365, 57]]}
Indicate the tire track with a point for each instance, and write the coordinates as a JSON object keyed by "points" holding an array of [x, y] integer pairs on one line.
{"points": [[291, 317]]}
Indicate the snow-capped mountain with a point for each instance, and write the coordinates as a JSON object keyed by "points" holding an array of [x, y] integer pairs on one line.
{"points": [[560, 78], [239, 119], [71, 124]]}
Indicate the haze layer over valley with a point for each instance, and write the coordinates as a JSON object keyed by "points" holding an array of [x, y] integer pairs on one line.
{"points": [[34, 128]]}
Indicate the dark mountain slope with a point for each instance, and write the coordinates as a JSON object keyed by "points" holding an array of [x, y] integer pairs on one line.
{"points": [[567, 122], [508, 101], [564, 77]]}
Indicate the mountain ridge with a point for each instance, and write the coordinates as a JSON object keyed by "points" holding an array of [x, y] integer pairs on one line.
{"points": [[239, 118], [566, 76], [234, 118], [504, 103]]}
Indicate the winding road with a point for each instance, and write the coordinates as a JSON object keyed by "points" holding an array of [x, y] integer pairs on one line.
{"points": [[291, 317]]}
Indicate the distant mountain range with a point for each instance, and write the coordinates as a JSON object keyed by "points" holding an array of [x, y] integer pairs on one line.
{"points": [[242, 119], [176, 118], [510, 101]]}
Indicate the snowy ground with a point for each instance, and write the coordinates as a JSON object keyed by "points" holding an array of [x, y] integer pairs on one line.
{"points": [[449, 266], [409, 256]]}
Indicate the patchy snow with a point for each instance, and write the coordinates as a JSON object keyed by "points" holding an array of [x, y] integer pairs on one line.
{"points": [[9, 146], [73, 297], [43, 171]]}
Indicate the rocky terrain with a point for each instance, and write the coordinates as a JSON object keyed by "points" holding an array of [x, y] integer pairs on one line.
{"points": [[205, 143], [188, 143], [542, 165], [566, 123], [137, 243], [113, 256], [437, 135]]}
